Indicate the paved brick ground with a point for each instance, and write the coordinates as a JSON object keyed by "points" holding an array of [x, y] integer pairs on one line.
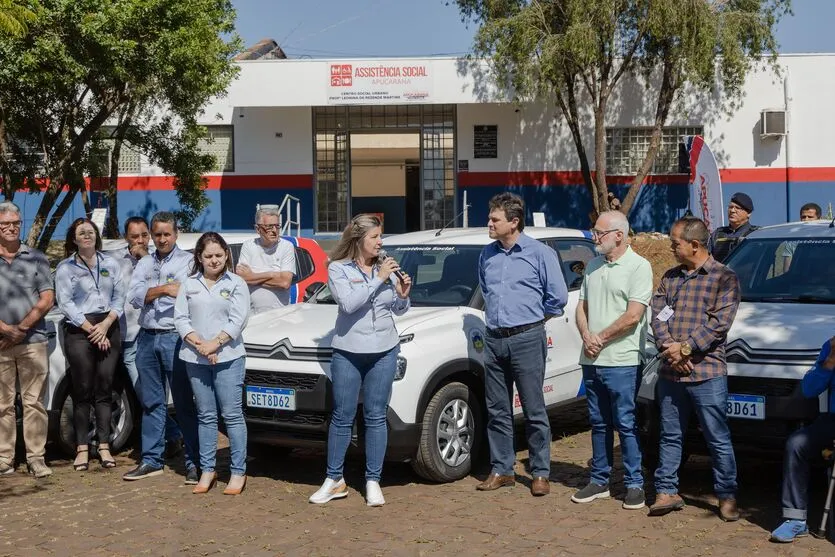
{"points": [[96, 513]]}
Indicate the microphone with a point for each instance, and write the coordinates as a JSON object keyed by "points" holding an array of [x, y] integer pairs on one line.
{"points": [[382, 256]]}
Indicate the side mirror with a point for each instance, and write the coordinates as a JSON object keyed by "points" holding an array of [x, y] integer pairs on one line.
{"points": [[312, 289]]}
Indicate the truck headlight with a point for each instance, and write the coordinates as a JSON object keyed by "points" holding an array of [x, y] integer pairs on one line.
{"points": [[401, 368]]}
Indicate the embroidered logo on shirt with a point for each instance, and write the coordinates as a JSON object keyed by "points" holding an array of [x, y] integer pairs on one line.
{"points": [[104, 273], [170, 277], [225, 293]]}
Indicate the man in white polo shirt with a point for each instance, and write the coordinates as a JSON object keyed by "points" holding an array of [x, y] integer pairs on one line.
{"points": [[267, 263], [612, 319]]}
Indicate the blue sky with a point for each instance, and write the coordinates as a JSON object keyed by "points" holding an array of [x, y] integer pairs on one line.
{"points": [[345, 28]]}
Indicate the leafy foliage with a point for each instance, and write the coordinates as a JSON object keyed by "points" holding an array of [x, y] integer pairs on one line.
{"points": [[85, 63], [14, 18], [576, 53]]}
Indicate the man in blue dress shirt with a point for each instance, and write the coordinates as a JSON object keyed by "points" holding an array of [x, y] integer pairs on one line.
{"points": [[523, 287], [153, 289]]}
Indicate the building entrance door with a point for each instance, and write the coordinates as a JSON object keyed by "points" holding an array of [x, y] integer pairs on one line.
{"points": [[394, 160], [379, 171]]}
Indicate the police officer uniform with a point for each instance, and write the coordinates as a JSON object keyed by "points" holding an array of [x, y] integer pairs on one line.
{"points": [[725, 239]]}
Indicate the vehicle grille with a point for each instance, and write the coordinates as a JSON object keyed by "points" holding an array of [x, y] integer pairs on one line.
{"points": [[761, 386], [738, 352], [284, 350], [300, 417], [298, 381]]}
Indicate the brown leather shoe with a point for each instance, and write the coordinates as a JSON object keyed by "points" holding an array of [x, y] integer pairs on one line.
{"points": [[540, 486], [665, 503], [495, 481], [728, 510]]}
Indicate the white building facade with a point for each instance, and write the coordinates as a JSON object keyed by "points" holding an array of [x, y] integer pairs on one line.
{"points": [[412, 138]]}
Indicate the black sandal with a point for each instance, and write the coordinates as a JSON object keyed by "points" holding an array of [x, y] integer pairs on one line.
{"points": [[106, 462], [83, 467]]}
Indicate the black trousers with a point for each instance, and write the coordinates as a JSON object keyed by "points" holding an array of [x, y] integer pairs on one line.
{"points": [[91, 378]]}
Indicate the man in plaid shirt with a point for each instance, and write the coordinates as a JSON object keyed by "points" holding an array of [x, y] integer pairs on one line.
{"points": [[692, 311]]}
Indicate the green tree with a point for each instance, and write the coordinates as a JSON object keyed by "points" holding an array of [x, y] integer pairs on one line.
{"points": [[146, 66], [15, 18], [577, 53]]}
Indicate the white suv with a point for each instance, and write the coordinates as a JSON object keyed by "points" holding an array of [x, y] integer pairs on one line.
{"points": [[787, 281], [436, 416]]}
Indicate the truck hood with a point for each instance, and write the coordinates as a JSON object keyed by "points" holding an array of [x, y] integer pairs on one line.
{"points": [[771, 326], [311, 325]]}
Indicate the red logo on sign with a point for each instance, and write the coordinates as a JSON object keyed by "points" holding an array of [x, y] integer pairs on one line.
{"points": [[341, 75]]}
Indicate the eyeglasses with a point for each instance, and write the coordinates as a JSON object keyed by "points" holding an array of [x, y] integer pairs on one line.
{"points": [[266, 227], [10, 224], [599, 234]]}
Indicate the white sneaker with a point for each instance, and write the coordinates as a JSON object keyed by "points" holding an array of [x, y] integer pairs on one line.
{"points": [[374, 495], [331, 489]]}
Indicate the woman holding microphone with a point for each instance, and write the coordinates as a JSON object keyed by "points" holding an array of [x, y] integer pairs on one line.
{"points": [[91, 295], [209, 314], [369, 291]]}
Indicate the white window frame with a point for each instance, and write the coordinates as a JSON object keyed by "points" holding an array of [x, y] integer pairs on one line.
{"points": [[130, 159], [626, 149], [212, 144]]}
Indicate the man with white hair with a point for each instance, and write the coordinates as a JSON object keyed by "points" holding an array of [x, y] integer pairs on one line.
{"points": [[611, 317], [267, 263]]}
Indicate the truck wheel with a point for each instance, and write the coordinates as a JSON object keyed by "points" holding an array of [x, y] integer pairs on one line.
{"points": [[122, 421], [451, 433]]}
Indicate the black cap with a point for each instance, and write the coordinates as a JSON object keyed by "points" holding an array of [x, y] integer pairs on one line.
{"points": [[743, 201]]}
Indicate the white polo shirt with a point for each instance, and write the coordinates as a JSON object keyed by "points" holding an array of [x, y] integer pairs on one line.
{"points": [[279, 258]]}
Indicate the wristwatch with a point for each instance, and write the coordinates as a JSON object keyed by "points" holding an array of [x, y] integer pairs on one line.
{"points": [[686, 349]]}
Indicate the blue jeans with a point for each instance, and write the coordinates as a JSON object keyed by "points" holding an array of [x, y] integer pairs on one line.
{"points": [[220, 385], [611, 392], [172, 430], [374, 374], [709, 399], [803, 449], [520, 359], [157, 358]]}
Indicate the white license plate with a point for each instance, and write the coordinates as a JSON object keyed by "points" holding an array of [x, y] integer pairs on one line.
{"points": [[270, 397], [749, 407]]}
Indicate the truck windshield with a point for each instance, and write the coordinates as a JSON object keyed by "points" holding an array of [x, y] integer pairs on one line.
{"points": [[786, 270], [442, 276]]}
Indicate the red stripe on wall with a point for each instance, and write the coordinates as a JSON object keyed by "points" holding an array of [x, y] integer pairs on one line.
{"points": [[796, 174], [555, 178], [574, 177], [224, 182]]}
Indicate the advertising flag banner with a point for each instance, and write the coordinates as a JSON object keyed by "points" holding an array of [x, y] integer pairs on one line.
{"points": [[379, 82], [705, 185]]}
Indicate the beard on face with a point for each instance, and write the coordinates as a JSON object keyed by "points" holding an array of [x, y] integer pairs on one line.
{"points": [[604, 248]]}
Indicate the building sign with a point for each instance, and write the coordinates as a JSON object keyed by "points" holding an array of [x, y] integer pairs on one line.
{"points": [[380, 82], [485, 142]]}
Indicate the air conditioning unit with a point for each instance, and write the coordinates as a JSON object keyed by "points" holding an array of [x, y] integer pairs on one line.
{"points": [[772, 122]]}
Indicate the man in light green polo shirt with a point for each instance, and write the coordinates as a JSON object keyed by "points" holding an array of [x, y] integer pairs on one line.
{"points": [[612, 319]]}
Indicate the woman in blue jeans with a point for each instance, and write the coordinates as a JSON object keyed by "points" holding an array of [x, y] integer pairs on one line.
{"points": [[369, 291], [209, 314]]}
